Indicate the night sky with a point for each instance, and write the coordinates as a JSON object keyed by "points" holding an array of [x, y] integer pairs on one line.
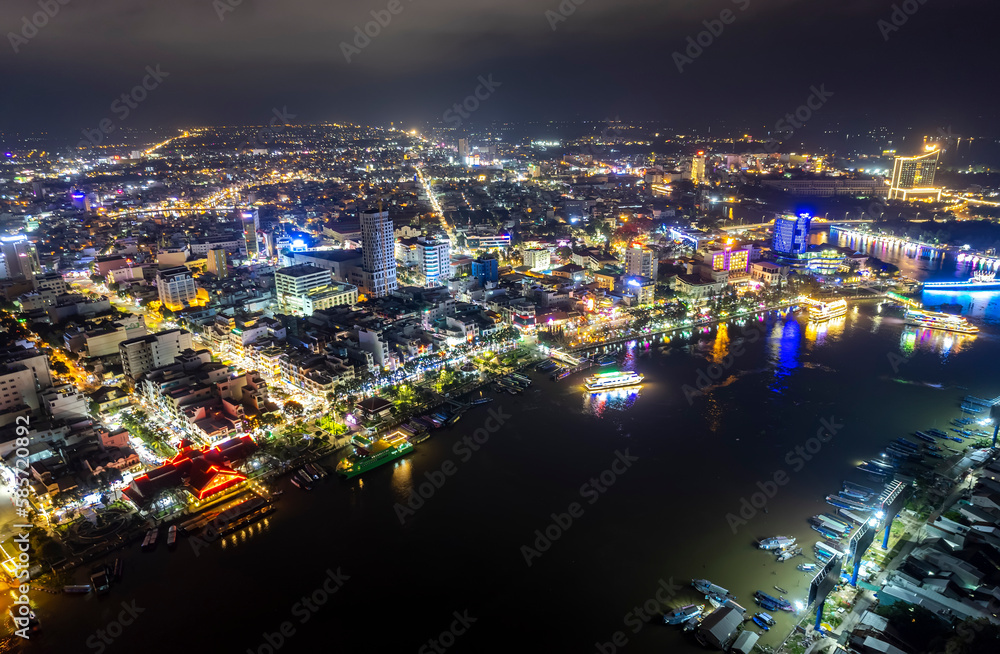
{"points": [[604, 59]]}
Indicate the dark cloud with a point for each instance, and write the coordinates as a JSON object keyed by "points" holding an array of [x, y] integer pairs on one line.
{"points": [[605, 58]]}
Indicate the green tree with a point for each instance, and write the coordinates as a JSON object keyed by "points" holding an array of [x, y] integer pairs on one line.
{"points": [[293, 409]]}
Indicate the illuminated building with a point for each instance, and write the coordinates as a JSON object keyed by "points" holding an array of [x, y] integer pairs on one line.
{"points": [[434, 259], [217, 262], [642, 261], [378, 253], [537, 259], [915, 176], [293, 284], [493, 242], [698, 168], [176, 287], [486, 270], [643, 288], [791, 234], [142, 354], [20, 258], [829, 187], [251, 225], [202, 472], [735, 262]]}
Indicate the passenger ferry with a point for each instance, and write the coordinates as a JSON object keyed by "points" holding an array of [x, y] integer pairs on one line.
{"points": [[935, 320], [826, 310], [980, 281], [607, 380]]}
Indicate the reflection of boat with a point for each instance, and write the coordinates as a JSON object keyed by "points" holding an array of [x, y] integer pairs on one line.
{"points": [[608, 380], [826, 310], [943, 321]]}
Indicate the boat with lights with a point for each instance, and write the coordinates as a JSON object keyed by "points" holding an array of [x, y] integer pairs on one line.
{"points": [[607, 380], [827, 310], [368, 455], [683, 614], [942, 321], [980, 281]]}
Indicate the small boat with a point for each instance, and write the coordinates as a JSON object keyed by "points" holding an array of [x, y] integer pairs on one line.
{"points": [[481, 400], [606, 360], [149, 542], [788, 554], [781, 590], [117, 569], [766, 618], [172, 536], [77, 588], [683, 614], [760, 623], [806, 567]]}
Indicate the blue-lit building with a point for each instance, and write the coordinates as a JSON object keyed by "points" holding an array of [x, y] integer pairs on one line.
{"points": [[486, 270], [791, 234]]}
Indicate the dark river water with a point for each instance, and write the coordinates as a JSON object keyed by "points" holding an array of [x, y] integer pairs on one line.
{"points": [[632, 490]]}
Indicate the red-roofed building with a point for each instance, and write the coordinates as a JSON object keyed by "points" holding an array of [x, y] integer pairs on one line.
{"points": [[202, 472]]}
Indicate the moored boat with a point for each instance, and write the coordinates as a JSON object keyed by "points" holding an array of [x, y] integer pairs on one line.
{"points": [[609, 380], [683, 614], [775, 542]]}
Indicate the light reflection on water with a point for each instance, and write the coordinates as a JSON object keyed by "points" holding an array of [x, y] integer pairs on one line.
{"points": [[619, 399], [935, 341]]}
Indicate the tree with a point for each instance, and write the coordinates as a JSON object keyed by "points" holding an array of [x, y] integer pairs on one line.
{"points": [[271, 420], [60, 368], [294, 409]]}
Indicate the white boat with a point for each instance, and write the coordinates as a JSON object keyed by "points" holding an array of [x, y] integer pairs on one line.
{"points": [[607, 380], [683, 614], [944, 321], [826, 310]]}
